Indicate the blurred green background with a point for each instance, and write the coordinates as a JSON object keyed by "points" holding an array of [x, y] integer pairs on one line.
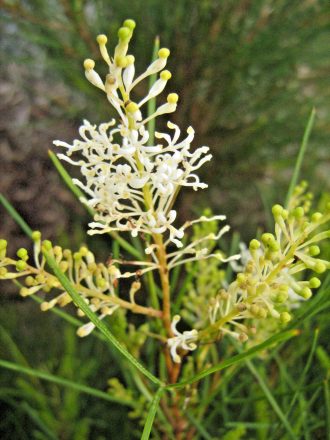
{"points": [[248, 74]]}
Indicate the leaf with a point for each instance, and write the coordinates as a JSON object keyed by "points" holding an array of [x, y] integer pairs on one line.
{"points": [[63, 382], [301, 155], [15, 215], [151, 413]]}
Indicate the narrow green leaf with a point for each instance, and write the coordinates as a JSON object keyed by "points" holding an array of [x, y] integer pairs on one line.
{"points": [[327, 407], [15, 215], [301, 154], [151, 413], [64, 382], [78, 193], [283, 336], [304, 373], [34, 415], [272, 401], [94, 319]]}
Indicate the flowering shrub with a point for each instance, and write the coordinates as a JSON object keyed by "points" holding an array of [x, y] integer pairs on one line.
{"points": [[131, 177]]}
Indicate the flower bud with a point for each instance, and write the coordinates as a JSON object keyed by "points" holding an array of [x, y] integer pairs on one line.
{"points": [[314, 283], [102, 39], [172, 98], [130, 24], [254, 245], [89, 64], [124, 33], [285, 317], [163, 53], [20, 265]]}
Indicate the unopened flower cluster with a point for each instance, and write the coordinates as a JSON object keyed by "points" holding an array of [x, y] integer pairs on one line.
{"points": [[267, 284]]}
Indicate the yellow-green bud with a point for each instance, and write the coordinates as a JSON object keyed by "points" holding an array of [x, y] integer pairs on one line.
{"points": [[29, 281], [36, 235], [281, 296], [172, 98], [316, 217], [165, 75], [130, 59], [57, 251], [254, 245], [163, 53], [254, 309], [102, 39], [3, 244], [285, 317], [77, 256], [277, 210], [298, 212], [262, 313], [305, 293], [319, 267], [121, 61], [20, 265], [124, 33], [314, 283], [314, 250], [100, 282], [24, 291], [132, 107], [47, 245], [89, 64], [129, 23], [3, 271], [274, 246], [83, 250], [267, 238]]}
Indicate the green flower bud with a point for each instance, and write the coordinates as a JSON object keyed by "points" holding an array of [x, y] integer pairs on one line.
{"points": [[129, 23], [102, 39], [320, 267], [314, 250], [277, 210], [254, 245], [124, 33], [3, 244], [22, 254], [285, 317], [3, 271], [101, 283], [36, 235], [314, 283], [121, 61], [29, 281], [267, 238], [47, 245], [316, 217], [305, 293], [298, 212], [20, 265]]}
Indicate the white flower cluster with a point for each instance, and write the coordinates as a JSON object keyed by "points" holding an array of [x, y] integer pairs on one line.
{"points": [[131, 183], [132, 186]]}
